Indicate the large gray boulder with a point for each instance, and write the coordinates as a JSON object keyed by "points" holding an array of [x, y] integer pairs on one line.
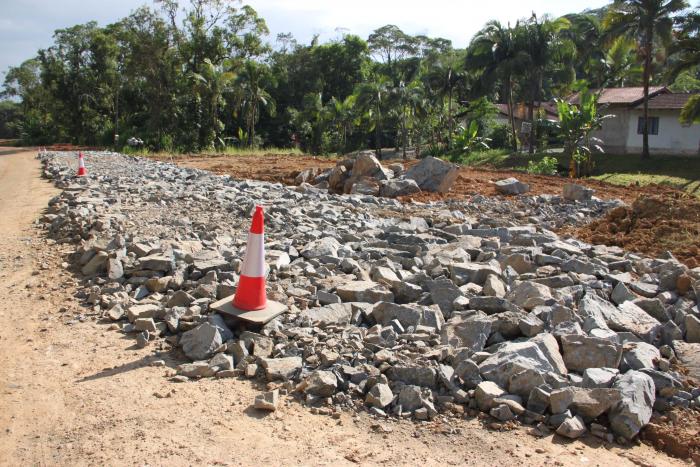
{"points": [[582, 352], [538, 356], [432, 174], [573, 192], [633, 412], [512, 186]]}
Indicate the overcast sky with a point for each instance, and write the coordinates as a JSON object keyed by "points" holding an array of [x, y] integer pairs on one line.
{"points": [[28, 25]]}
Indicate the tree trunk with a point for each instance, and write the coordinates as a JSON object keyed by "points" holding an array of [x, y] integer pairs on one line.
{"points": [[404, 130], [647, 77], [449, 119], [531, 114], [378, 133], [510, 113], [531, 117]]}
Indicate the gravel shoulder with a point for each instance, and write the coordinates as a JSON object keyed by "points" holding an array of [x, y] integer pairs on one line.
{"points": [[74, 393]]}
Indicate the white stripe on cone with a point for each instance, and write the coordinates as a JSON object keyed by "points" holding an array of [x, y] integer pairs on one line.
{"points": [[254, 262], [81, 163]]}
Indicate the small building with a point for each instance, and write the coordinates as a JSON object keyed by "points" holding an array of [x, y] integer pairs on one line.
{"points": [[667, 136]]}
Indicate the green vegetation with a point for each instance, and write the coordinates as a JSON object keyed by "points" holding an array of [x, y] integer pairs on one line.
{"points": [[674, 171], [204, 76], [546, 166]]}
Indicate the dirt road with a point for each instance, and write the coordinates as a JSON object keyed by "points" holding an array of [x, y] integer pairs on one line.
{"points": [[73, 392]]}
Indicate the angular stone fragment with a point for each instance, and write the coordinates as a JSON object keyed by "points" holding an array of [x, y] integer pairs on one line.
{"points": [[572, 428], [573, 192], [511, 186], [464, 273], [639, 355], [416, 376], [201, 342], [485, 393], [364, 291], [472, 332], [267, 401], [200, 369], [327, 246], [589, 403], [599, 377], [335, 314], [281, 368], [379, 396], [320, 383], [513, 358], [398, 187], [96, 265], [633, 412]]}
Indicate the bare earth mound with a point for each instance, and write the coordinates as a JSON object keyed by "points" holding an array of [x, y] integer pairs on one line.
{"points": [[652, 226]]}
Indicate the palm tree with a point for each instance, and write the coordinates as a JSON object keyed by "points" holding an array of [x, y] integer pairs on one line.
{"points": [[621, 66], [496, 52], [543, 44], [687, 51], [342, 115], [370, 99], [647, 22], [410, 100], [251, 96], [442, 77]]}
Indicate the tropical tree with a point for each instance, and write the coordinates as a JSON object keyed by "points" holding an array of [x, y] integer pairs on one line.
{"points": [[687, 54], [576, 122], [370, 98], [648, 22], [251, 95], [546, 49], [496, 51]]}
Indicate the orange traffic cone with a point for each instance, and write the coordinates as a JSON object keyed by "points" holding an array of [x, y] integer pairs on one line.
{"points": [[81, 165], [250, 294]]}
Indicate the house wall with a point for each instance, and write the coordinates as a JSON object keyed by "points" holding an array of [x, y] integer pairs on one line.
{"points": [[615, 130], [673, 139]]}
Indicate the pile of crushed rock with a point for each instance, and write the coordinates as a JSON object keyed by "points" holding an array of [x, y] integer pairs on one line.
{"points": [[406, 310]]}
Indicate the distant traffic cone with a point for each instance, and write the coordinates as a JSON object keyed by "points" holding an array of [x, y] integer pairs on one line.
{"points": [[81, 165], [250, 294]]}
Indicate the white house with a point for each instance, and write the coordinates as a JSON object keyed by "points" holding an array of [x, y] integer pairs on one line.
{"points": [[623, 133]]}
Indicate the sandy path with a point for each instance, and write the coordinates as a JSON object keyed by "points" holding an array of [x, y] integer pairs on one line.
{"points": [[75, 393]]}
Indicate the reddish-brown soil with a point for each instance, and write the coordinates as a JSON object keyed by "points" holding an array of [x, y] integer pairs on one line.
{"points": [[676, 433], [651, 225], [284, 168]]}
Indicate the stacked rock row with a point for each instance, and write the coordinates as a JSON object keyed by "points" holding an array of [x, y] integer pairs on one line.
{"points": [[365, 175], [404, 310]]}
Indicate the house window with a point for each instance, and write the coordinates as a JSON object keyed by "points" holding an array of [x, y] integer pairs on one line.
{"points": [[653, 125]]}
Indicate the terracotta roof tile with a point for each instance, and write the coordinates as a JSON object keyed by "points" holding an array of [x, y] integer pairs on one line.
{"points": [[667, 101]]}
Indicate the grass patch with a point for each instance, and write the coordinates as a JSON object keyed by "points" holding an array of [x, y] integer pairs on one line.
{"points": [[229, 151], [674, 171]]}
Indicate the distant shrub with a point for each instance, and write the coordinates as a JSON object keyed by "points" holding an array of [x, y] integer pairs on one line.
{"points": [[547, 166], [501, 137]]}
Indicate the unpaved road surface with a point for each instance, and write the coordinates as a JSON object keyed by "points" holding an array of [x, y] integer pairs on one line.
{"points": [[73, 392]]}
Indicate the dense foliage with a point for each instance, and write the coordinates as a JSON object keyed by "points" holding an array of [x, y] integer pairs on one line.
{"points": [[206, 76]]}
